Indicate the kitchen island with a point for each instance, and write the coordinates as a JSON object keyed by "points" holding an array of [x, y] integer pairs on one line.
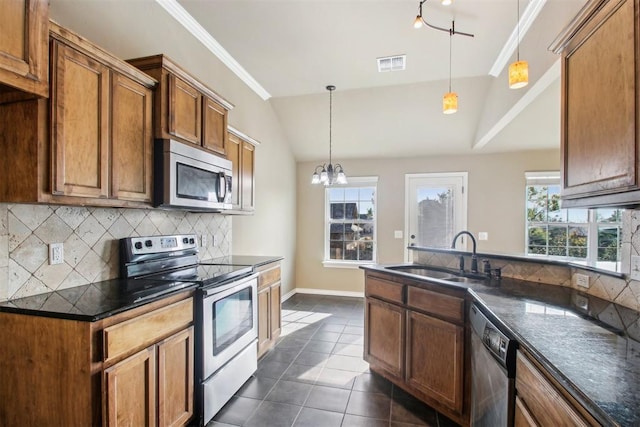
{"points": [[589, 346]]}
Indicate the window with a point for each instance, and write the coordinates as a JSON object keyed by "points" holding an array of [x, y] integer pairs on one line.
{"points": [[350, 223], [589, 236]]}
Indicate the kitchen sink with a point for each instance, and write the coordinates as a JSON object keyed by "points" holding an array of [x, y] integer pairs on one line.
{"points": [[439, 273]]}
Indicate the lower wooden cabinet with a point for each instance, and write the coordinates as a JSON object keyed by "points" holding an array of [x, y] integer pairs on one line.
{"points": [[540, 402], [435, 358], [131, 369], [384, 340], [131, 390], [269, 306], [415, 336]]}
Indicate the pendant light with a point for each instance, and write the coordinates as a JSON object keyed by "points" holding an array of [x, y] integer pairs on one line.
{"points": [[450, 99], [329, 174], [519, 70]]}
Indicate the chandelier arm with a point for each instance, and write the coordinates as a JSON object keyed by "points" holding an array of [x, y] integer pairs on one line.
{"points": [[451, 31]]}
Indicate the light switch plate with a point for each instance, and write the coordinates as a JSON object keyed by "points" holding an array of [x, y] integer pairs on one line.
{"points": [[397, 234], [635, 267], [483, 235], [203, 241], [582, 280]]}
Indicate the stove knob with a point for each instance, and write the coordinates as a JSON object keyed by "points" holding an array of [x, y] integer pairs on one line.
{"points": [[192, 240], [185, 240], [138, 245], [148, 243]]}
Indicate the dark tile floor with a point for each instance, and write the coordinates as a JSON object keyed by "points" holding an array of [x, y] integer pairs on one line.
{"points": [[315, 376]]}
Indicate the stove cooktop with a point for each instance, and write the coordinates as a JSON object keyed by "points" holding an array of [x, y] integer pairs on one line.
{"points": [[202, 274]]}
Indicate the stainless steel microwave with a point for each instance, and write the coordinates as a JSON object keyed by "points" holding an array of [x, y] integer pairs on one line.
{"points": [[190, 178]]}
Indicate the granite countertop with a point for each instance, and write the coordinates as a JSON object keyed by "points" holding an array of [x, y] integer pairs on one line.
{"points": [[589, 345], [254, 260], [95, 301]]}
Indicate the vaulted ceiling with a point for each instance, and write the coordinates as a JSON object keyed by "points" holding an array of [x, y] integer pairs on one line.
{"points": [[294, 48]]}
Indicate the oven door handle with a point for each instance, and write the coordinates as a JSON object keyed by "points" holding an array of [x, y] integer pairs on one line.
{"points": [[229, 288]]}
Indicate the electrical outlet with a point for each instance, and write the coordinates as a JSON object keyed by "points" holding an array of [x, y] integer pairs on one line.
{"points": [[582, 280], [56, 253], [203, 241], [483, 235], [397, 234]]}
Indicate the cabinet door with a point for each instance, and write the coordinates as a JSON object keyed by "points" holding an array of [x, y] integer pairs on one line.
{"points": [[435, 359], [384, 336], [214, 132], [522, 417], [600, 104], [131, 391], [80, 124], [247, 181], [274, 311], [264, 335], [175, 379], [234, 151], [24, 45], [185, 110], [132, 140]]}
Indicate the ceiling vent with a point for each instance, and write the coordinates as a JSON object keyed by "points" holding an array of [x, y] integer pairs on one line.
{"points": [[392, 63]]}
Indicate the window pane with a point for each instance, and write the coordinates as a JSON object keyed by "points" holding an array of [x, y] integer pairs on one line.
{"points": [[559, 215], [608, 237], [351, 194], [578, 252], [366, 251], [538, 236], [336, 232], [578, 215], [607, 215], [350, 231], [537, 203], [351, 251], [368, 194], [578, 236], [557, 251], [537, 250], [366, 210], [367, 231], [337, 210], [558, 235], [336, 250], [336, 194], [351, 210]]}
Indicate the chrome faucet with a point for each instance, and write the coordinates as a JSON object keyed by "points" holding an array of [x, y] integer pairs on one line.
{"points": [[474, 258]]}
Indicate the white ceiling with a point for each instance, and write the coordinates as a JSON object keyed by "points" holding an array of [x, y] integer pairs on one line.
{"points": [[294, 48]]}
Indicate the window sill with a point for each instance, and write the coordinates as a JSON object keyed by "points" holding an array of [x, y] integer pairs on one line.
{"points": [[345, 264]]}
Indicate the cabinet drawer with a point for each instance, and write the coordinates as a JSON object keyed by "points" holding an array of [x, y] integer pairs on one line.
{"points": [[269, 277], [441, 305], [544, 402], [147, 329], [384, 289]]}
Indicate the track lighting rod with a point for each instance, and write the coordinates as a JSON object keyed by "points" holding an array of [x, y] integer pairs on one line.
{"points": [[419, 21]]}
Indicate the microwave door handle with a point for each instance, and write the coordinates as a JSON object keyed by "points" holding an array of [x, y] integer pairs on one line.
{"points": [[222, 186]]}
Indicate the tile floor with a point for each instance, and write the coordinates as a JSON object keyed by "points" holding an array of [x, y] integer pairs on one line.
{"points": [[315, 376]]}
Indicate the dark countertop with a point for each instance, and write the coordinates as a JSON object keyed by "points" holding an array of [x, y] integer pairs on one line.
{"points": [[254, 260], [99, 300], [589, 345], [92, 302]]}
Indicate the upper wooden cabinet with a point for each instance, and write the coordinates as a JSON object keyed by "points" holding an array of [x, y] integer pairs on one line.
{"points": [[600, 141], [24, 37], [241, 151], [186, 109], [91, 142]]}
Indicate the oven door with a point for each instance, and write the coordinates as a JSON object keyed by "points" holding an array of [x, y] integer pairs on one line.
{"points": [[229, 321]]}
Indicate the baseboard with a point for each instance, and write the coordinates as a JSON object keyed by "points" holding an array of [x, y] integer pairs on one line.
{"points": [[314, 291]]}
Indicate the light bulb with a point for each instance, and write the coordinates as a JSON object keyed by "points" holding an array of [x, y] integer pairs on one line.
{"points": [[315, 178], [324, 177], [446, 2], [418, 22], [342, 179]]}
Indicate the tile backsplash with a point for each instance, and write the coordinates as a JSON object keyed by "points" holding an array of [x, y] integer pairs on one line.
{"points": [[90, 237]]}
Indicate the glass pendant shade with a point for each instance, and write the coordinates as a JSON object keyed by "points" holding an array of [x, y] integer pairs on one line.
{"points": [[446, 2], [450, 103], [315, 178], [518, 74], [418, 22]]}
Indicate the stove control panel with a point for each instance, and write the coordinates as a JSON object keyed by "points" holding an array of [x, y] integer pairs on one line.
{"points": [[162, 244]]}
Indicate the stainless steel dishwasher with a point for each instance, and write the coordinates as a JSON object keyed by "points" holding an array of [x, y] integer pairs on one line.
{"points": [[493, 366]]}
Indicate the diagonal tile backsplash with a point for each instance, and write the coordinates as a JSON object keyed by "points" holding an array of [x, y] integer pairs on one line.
{"points": [[90, 237]]}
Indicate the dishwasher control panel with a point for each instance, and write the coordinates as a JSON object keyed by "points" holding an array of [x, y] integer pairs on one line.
{"points": [[501, 347]]}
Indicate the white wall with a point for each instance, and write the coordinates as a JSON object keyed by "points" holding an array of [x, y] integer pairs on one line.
{"points": [[131, 29], [495, 205]]}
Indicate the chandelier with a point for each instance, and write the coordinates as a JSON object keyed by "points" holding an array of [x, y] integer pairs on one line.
{"points": [[329, 174]]}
